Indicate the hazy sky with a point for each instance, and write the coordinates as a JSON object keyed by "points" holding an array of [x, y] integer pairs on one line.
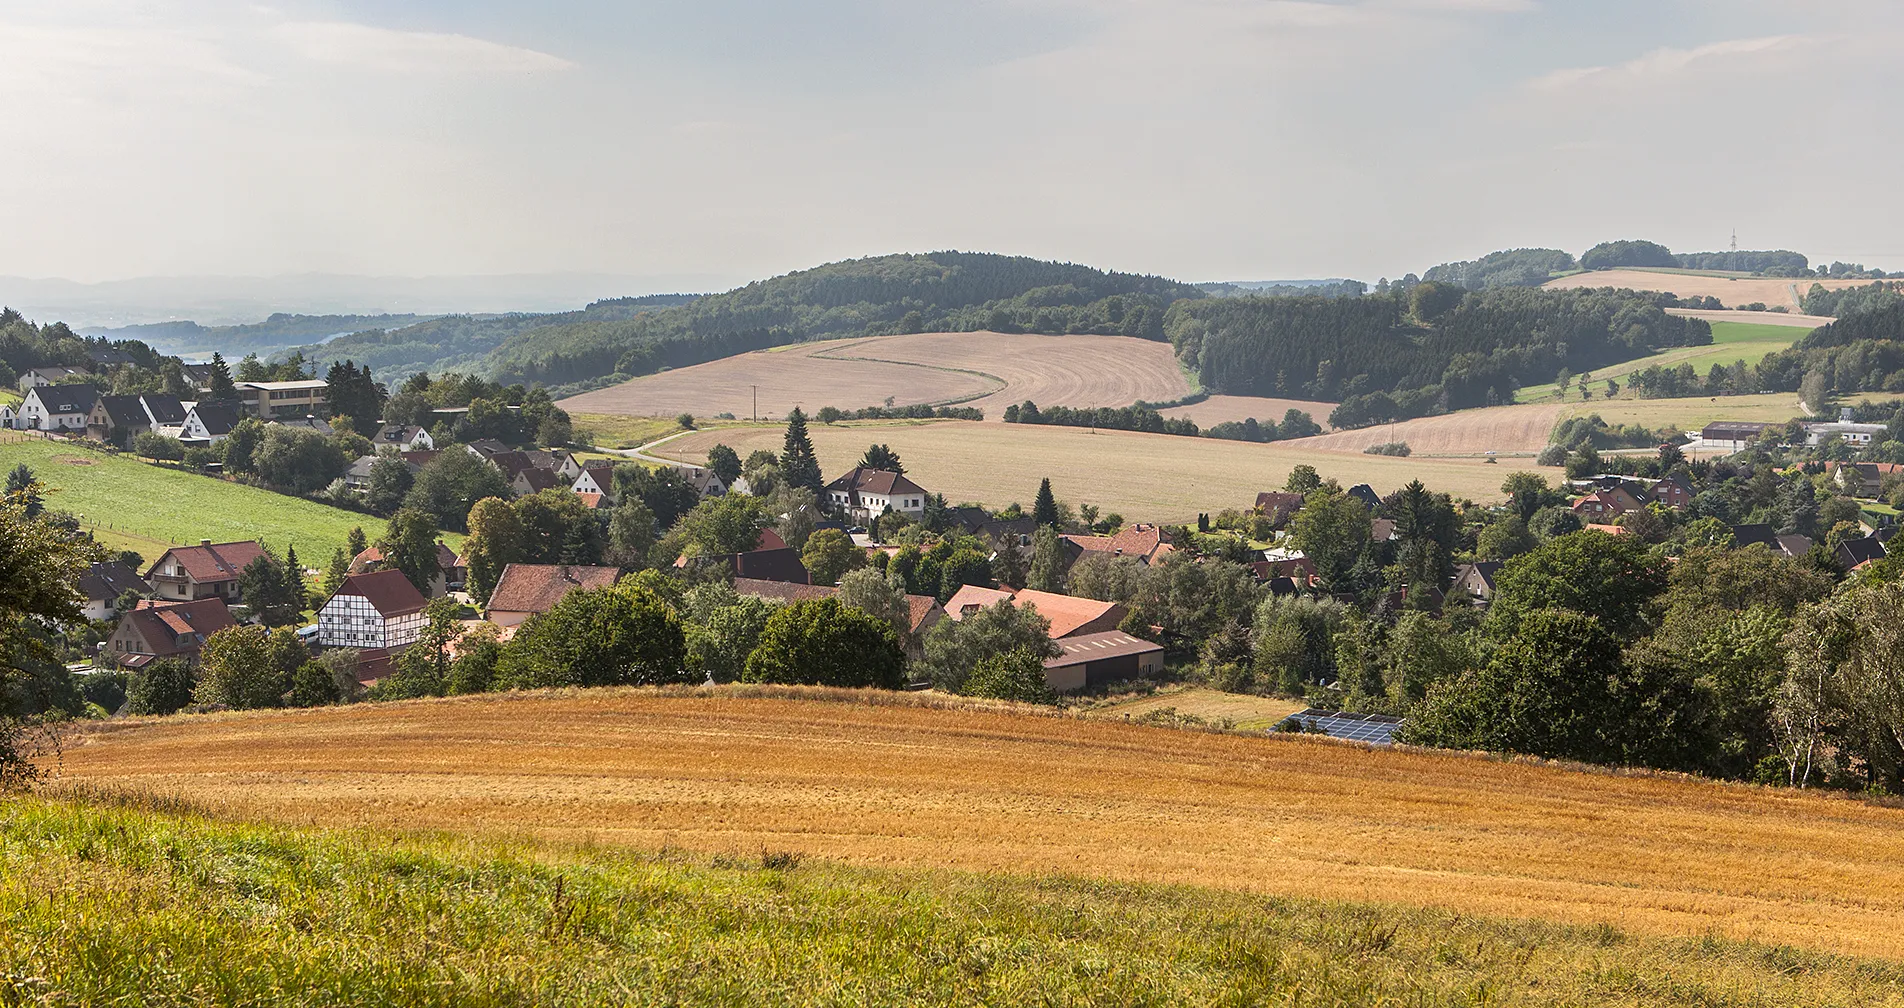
{"points": [[1202, 139]]}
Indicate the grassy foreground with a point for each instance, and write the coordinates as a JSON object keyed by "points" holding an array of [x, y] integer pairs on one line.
{"points": [[141, 902]]}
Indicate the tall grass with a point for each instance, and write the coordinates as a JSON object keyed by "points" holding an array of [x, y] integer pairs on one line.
{"points": [[139, 900]]}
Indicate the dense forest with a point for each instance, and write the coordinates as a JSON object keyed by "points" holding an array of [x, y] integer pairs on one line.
{"points": [[1511, 268], [1424, 350], [942, 291], [275, 333]]}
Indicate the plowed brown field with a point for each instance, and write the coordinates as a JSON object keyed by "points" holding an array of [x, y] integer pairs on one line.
{"points": [[881, 779], [982, 369], [1731, 291]]}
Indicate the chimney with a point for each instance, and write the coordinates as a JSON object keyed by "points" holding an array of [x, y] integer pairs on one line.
{"points": [[204, 542]]}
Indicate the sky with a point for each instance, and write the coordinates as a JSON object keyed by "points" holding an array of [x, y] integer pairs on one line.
{"points": [[710, 142]]}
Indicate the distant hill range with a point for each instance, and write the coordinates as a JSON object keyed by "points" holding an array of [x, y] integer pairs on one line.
{"points": [[262, 338]]}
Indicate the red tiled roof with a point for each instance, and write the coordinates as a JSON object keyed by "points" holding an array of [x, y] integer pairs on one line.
{"points": [[918, 609], [860, 479], [162, 623], [214, 562], [1067, 613], [769, 540], [536, 588], [973, 596], [388, 591], [593, 500]]}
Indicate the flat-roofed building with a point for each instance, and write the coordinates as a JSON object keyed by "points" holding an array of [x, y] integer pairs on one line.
{"points": [[268, 399]]}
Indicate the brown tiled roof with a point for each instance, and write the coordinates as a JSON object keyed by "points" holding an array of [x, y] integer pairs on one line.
{"points": [[538, 480], [918, 609], [973, 596], [372, 558], [860, 479], [388, 591], [536, 588], [216, 562], [593, 500], [1066, 612], [770, 540], [162, 623], [1285, 501]]}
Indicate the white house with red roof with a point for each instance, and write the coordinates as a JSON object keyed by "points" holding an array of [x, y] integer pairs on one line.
{"points": [[865, 494], [381, 609], [206, 570]]}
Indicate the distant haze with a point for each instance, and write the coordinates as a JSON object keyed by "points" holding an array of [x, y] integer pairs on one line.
{"points": [[212, 300]]}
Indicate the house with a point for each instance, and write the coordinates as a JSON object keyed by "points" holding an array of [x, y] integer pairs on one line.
{"points": [[1857, 435], [57, 408], [207, 570], [1366, 494], [104, 583], [1381, 530], [155, 630], [52, 374], [381, 609], [404, 438], [595, 478], [1279, 506], [1095, 660], [1855, 553], [532, 480], [1145, 543], [1476, 580], [704, 482], [1863, 479], [108, 357], [864, 494], [8, 417], [450, 570], [1299, 569], [268, 400], [486, 448], [166, 413], [1675, 491], [1603, 506], [1732, 435], [310, 423], [117, 418], [1070, 615], [209, 422], [1765, 535], [526, 590]]}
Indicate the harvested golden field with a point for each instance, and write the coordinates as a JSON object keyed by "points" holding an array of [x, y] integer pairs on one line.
{"points": [[1221, 409], [1144, 477], [1756, 318], [1731, 291], [1689, 414], [884, 779], [1215, 707], [987, 370], [1502, 429]]}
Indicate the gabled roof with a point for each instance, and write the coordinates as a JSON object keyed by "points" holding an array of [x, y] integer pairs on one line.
{"points": [[217, 417], [209, 562], [536, 588], [973, 597], [104, 582], [1099, 646], [772, 565], [860, 479], [163, 624], [372, 559], [54, 372], [485, 447], [1284, 501], [165, 410], [920, 608], [1066, 612], [1733, 430], [537, 480], [124, 411], [388, 591], [64, 399], [1853, 553], [397, 434]]}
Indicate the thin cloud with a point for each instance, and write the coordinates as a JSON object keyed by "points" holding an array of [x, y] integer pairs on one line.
{"points": [[1665, 62], [411, 52]]}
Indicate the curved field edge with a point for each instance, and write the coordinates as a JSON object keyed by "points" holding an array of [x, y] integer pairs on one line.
{"points": [[929, 782], [131, 901]]}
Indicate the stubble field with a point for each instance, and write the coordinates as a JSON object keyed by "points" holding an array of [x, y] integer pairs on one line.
{"points": [[1144, 477], [1731, 291], [884, 779], [983, 369]]}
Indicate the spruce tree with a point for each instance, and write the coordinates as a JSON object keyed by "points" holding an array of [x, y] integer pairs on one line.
{"points": [[334, 576], [1045, 510], [799, 467], [222, 390], [294, 579], [357, 543]]}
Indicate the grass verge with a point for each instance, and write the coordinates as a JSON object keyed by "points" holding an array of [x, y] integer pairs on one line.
{"points": [[144, 901]]}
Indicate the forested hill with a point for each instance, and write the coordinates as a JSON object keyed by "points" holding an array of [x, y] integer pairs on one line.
{"points": [[940, 291], [1427, 349], [465, 342]]}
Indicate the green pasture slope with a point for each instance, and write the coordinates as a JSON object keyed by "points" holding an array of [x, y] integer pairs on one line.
{"points": [[129, 504], [142, 902], [1731, 342]]}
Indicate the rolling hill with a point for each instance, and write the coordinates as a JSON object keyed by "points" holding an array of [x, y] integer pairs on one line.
{"points": [[927, 782]]}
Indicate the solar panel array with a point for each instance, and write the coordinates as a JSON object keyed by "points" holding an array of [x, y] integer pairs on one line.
{"points": [[1378, 729]]}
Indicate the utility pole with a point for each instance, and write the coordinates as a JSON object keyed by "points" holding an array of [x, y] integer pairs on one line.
{"points": [[756, 388]]}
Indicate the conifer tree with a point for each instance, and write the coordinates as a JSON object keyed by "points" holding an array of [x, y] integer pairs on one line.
{"points": [[334, 576], [799, 467], [222, 390], [1044, 512]]}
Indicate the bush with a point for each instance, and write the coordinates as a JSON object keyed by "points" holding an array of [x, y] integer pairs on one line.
{"points": [[1396, 448], [163, 687], [1552, 455], [823, 642], [624, 635], [1018, 674]]}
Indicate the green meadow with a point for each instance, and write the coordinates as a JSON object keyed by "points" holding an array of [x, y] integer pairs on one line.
{"points": [[1731, 342]]}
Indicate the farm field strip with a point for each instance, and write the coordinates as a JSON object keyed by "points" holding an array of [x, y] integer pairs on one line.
{"points": [[885, 780], [1731, 342], [1145, 477], [1506, 429], [986, 370], [1731, 292], [1221, 409], [130, 504]]}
